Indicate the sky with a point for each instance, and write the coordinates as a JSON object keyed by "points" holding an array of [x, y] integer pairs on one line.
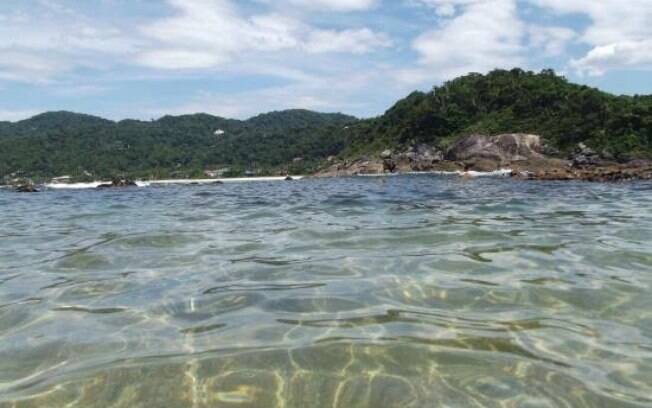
{"points": [[237, 58]]}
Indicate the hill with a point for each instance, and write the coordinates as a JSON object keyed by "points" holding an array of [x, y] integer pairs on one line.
{"points": [[57, 143], [514, 101]]}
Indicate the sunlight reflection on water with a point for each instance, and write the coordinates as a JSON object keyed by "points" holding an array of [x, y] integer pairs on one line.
{"points": [[408, 291]]}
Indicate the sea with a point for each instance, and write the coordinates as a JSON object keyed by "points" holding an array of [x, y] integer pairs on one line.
{"points": [[406, 291]]}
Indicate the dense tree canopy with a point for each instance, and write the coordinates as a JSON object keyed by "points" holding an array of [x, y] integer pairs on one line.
{"points": [[513, 101], [59, 143], [565, 114]]}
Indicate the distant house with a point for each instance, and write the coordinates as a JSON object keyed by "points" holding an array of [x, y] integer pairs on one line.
{"points": [[62, 179], [219, 132], [217, 172], [250, 173]]}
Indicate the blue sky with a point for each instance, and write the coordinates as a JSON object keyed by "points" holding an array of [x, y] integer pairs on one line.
{"points": [[236, 58]]}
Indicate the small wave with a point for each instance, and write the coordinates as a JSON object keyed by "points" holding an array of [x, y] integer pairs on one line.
{"points": [[497, 173], [81, 309], [471, 173], [75, 186], [141, 183]]}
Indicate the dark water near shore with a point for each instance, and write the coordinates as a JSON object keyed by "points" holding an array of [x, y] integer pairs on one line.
{"points": [[415, 291]]}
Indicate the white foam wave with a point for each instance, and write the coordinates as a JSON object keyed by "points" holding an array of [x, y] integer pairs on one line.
{"points": [[497, 173], [140, 183], [74, 186]]}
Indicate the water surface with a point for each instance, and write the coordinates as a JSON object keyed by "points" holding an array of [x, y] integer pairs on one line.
{"points": [[416, 291]]}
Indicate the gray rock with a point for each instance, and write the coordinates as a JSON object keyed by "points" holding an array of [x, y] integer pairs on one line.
{"points": [[387, 154], [389, 165], [550, 150], [585, 156], [420, 157], [482, 165], [585, 150], [500, 148], [26, 188], [118, 183]]}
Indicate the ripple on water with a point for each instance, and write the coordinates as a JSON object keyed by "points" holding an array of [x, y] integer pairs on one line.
{"points": [[158, 241], [395, 292], [83, 261]]}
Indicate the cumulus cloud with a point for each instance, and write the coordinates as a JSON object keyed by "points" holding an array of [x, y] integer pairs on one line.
{"points": [[445, 8], [553, 41], [53, 39], [618, 33], [340, 90], [16, 115], [355, 41], [288, 48], [622, 54], [486, 34], [208, 33], [335, 5], [39, 46]]}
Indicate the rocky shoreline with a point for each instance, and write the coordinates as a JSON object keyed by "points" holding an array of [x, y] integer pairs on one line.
{"points": [[525, 155]]}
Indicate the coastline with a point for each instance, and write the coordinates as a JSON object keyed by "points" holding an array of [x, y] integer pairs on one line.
{"points": [[542, 170], [148, 183], [521, 156]]}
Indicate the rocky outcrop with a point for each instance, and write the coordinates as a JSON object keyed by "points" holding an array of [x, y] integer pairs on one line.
{"points": [[353, 168], [585, 156], [419, 157], [501, 148], [636, 170], [26, 188], [118, 183], [525, 154]]}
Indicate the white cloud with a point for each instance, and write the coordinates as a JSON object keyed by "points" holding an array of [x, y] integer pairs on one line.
{"points": [[52, 40], [552, 40], [16, 115], [209, 33], [623, 54], [352, 92], [445, 8], [30, 67], [618, 33], [37, 47], [486, 34], [325, 5], [354, 41]]}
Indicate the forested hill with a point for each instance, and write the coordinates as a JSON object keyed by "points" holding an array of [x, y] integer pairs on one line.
{"points": [[511, 102], [64, 143], [514, 101]]}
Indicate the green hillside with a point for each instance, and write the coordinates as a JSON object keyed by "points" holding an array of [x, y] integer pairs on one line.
{"points": [[510, 102], [514, 101], [58, 143]]}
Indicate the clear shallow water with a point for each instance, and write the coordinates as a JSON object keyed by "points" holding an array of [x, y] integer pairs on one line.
{"points": [[413, 291]]}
